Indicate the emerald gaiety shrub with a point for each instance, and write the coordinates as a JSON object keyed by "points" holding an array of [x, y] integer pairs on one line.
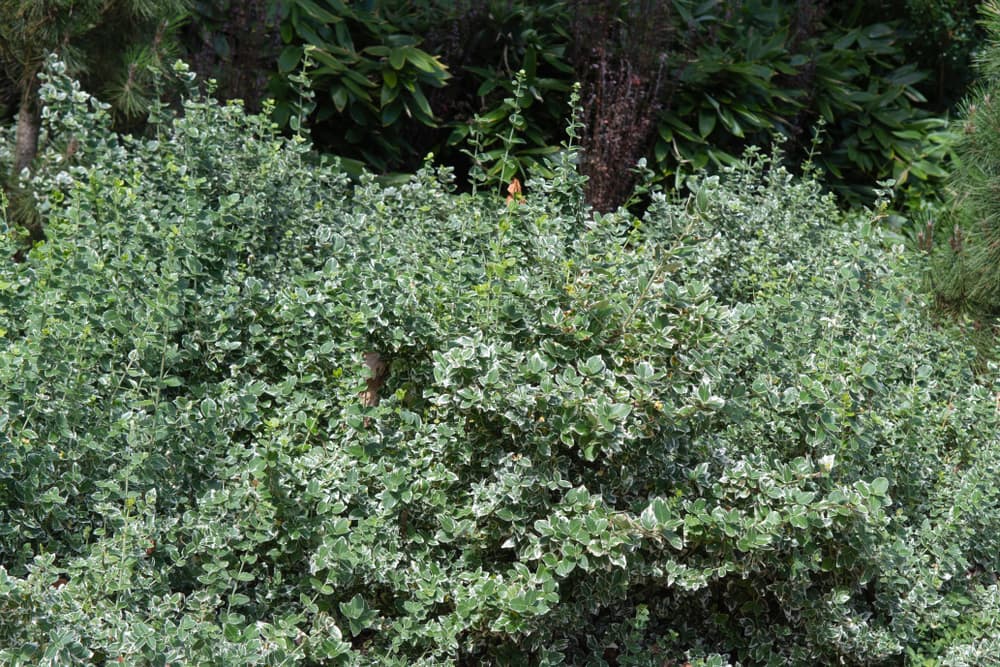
{"points": [[721, 434]]}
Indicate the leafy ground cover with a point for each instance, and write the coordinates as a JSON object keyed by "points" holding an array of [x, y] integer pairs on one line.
{"points": [[720, 434]]}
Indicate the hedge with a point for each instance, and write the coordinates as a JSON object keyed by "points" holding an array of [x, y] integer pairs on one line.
{"points": [[723, 433]]}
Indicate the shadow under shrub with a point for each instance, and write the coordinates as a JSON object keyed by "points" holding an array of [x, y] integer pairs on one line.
{"points": [[721, 434]]}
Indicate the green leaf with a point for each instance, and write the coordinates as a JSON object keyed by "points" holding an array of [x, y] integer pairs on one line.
{"points": [[644, 371], [660, 510], [565, 567], [537, 363], [317, 12], [340, 97], [673, 539], [593, 366], [619, 411], [289, 58], [388, 96], [706, 123], [208, 408], [704, 391], [423, 61], [397, 58], [647, 519], [423, 105], [391, 113], [354, 609]]}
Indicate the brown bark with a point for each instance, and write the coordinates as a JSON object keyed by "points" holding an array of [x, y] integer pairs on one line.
{"points": [[28, 120], [379, 370]]}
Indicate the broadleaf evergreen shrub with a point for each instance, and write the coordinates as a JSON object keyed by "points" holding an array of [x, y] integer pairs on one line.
{"points": [[721, 434]]}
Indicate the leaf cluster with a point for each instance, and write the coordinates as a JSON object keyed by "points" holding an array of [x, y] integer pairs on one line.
{"points": [[367, 67]]}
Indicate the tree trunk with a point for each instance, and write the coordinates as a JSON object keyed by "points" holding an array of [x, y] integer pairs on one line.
{"points": [[28, 120], [21, 210], [378, 369]]}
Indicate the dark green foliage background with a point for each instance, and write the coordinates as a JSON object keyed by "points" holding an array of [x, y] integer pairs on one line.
{"points": [[723, 433], [686, 84]]}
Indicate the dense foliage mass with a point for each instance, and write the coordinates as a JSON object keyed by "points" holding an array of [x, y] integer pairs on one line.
{"points": [[685, 83], [721, 434]]}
